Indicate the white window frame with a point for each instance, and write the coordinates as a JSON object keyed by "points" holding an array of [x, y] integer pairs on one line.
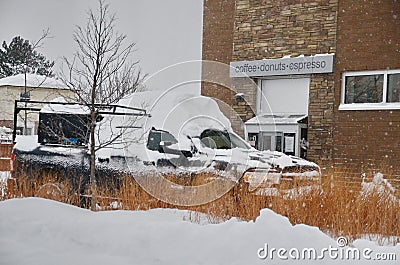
{"points": [[384, 105]]}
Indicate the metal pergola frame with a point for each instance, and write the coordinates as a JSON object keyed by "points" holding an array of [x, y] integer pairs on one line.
{"points": [[106, 109]]}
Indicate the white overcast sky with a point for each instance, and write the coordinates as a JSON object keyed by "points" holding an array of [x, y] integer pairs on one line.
{"points": [[165, 31]]}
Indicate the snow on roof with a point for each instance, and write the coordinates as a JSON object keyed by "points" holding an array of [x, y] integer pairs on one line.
{"points": [[4, 130], [179, 111], [32, 80], [26, 142], [64, 109], [284, 118]]}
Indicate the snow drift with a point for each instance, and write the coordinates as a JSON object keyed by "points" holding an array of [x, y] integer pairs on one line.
{"points": [[38, 231]]}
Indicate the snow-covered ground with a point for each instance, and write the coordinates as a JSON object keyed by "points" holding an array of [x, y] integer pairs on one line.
{"points": [[38, 231]]}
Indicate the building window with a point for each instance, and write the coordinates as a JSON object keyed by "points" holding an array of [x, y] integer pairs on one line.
{"points": [[364, 89], [393, 86], [371, 90]]}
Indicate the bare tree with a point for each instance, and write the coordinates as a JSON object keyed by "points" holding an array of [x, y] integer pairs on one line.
{"points": [[101, 72]]}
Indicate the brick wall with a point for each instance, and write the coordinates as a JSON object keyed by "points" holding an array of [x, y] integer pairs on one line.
{"points": [[5, 155], [217, 45], [6, 123], [368, 39], [320, 119], [218, 21], [273, 29]]}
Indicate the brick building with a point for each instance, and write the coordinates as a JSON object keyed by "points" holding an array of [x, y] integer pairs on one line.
{"points": [[334, 62]]}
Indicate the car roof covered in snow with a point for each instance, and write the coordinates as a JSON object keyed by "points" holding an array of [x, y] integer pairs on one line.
{"points": [[179, 111]]}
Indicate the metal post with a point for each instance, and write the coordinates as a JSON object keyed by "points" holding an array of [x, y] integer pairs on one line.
{"points": [[15, 120], [26, 115]]}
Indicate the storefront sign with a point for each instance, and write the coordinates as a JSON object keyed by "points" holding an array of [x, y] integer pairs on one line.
{"points": [[289, 144], [317, 64]]}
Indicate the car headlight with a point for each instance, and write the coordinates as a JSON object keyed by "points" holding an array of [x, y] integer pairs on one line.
{"points": [[259, 176]]}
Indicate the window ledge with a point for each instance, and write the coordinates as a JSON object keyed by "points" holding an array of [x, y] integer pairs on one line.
{"points": [[370, 106]]}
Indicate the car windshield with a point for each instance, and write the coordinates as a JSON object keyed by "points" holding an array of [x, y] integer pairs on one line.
{"points": [[238, 142], [216, 139]]}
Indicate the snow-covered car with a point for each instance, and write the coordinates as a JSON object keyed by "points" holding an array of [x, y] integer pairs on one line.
{"points": [[226, 151]]}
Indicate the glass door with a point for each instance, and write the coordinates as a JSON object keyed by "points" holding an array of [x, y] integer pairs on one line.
{"points": [[271, 141]]}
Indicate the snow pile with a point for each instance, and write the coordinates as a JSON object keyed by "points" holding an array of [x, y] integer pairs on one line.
{"points": [[379, 183], [380, 186], [180, 111], [26, 143], [38, 231], [32, 80], [4, 176], [65, 109], [276, 118]]}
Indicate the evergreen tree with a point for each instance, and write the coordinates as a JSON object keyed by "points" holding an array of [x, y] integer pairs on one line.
{"points": [[20, 56]]}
